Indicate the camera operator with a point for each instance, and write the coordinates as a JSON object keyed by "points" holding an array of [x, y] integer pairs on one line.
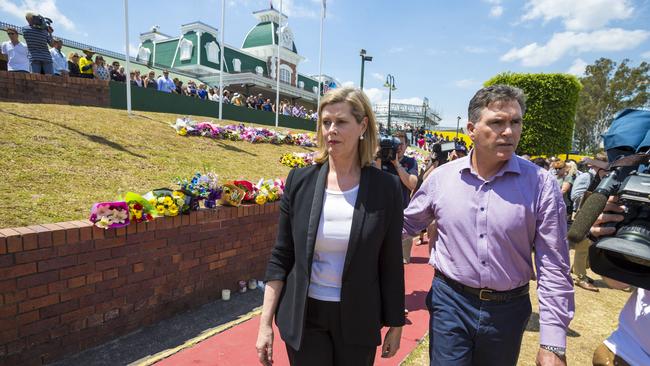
{"points": [[38, 36], [407, 169], [629, 344]]}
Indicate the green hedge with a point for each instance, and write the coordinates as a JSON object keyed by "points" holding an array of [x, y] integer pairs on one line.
{"points": [[551, 101]]}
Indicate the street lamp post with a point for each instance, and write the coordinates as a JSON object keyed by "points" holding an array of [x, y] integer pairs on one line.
{"points": [[425, 106], [390, 84], [364, 58], [457, 125]]}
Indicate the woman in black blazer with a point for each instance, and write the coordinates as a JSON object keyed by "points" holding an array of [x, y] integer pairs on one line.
{"points": [[335, 276]]}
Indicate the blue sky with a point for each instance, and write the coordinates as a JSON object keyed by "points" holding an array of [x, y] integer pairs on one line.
{"points": [[443, 50]]}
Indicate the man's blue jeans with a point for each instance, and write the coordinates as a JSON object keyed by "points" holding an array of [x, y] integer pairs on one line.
{"points": [[42, 67], [464, 330]]}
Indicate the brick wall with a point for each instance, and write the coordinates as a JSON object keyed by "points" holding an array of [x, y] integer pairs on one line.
{"points": [[68, 286], [36, 88]]}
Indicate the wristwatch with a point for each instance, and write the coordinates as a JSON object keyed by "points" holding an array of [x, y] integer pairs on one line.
{"points": [[559, 351]]}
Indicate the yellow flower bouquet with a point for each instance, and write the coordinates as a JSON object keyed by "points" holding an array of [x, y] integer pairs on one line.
{"points": [[231, 195]]}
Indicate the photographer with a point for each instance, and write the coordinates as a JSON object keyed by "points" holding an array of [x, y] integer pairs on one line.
{"points": [[629, 344], [407, 169], [38, 36]]}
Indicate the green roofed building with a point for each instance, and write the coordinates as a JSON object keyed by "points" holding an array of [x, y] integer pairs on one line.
{"points": [[250, 69]]}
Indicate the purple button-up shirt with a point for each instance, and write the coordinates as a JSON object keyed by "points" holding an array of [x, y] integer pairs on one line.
{"points": [[487, 231]]}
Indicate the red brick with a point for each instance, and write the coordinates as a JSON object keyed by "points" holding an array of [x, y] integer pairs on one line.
{"points": [[75, 248], [228, 253], [111, 314], [78, 270], [6, 260], [95, 255], [57, 263], [17, 270], [59, 331], [152, 245], [30, 241], [3, 245], [59, 309], [111, 263], [57, 286], [85, 233], [15, 347], [38, 303], [138, 267], [38, 326], [77, 314], [94, 278], [38, 291], [34, 255], [77, 282], [27, 318], [45, 239], [95, 319], [110, 274], [110, 243], [98, 233], [76, 293], [7, 311], [14, 244], [15, 296]]}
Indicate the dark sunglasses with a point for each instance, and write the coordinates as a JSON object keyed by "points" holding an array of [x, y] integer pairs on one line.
{"points": [[12, 33]]}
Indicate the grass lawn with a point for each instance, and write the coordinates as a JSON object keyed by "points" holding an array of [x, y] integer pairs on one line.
{"points": [[58, 160], [595, 318]]}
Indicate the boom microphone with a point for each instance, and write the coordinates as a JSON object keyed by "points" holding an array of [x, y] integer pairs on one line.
{"points": [[589, 212]]}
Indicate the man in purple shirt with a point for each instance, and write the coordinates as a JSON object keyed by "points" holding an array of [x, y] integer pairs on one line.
{"points": [[493, 210]]}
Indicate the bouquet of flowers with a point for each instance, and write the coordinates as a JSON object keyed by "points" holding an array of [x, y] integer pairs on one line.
{"points": [[203, 186], [297, 160], [231, 195], [110, 214], [140, 210], [269, 190], [250, 191], [170, 203]]}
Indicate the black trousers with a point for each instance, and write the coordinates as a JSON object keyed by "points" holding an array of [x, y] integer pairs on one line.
{"points": [[322, 340]]}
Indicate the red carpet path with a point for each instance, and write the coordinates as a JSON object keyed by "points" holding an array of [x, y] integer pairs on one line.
{"points": [[236, 346]]}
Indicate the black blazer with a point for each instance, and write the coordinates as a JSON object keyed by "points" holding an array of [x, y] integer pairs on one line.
{"points": [[372, 292]]}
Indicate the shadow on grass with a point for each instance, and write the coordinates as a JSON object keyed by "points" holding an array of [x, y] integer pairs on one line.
{"points": [[93, 138], [533, 326]]}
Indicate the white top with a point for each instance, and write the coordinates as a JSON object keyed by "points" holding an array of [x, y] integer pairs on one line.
{"points": [[332, 244], [18, 56], [58, 61], [631, 340]]}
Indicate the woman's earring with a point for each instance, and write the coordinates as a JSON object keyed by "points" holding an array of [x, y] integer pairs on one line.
{"points": [[361, 137]]}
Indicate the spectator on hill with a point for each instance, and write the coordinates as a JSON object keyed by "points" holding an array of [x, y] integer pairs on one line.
{"points": [[115, 72], [38, 39], [250, 102], [100, 70], [73, 65], [191, 89], [16, 51], [215, 95], [202, 92], [267, 106], [137, 79], [286, 108], [226, 96], [86, 64], [150, 81], [238, 100], [165, 84], [59, 62]]}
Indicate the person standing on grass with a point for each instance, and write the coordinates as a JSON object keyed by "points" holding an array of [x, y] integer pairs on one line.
{"points": [[335, 276], [493, 210]]}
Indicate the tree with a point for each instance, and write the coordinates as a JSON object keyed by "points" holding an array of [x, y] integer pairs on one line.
{"points": [[607, 89], [551, 101]]}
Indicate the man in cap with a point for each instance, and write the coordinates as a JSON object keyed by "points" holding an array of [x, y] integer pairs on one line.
{"points": [[16, 51], [165, 84], [86, 64], [60, 64], [38, 39]]}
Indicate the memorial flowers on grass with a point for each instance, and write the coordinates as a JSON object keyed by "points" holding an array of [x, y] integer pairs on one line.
{"points": [[297, 160], [109, 214], [140, 210]]}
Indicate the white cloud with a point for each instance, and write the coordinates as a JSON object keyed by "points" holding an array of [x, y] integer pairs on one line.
{"points": [[412, 100], [133, 49], [378, 76], [614, 39], [467, 83], [377, 95], [646, 54], [578, 67], [47, 8], [472, 49], [292, 10], [348, 84], [496, 11], [579, 15]]}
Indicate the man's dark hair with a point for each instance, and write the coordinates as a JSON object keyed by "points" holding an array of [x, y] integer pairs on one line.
{"points": [[541, 162], [494, 93]]}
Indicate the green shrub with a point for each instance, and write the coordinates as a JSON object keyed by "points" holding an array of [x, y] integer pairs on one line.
{"points": [[551, 101]]}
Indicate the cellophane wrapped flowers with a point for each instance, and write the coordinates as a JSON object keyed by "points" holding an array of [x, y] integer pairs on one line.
{"points": [[269, 190], [297, 160], [204, 186], [109, 214], [140, 210], [167, 202]]}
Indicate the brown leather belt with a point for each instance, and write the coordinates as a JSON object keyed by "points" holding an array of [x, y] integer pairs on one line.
{"points": [[484, 294]]}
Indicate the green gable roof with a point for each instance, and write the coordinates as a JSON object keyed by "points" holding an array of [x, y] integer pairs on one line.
{"points": [[264, 34]]}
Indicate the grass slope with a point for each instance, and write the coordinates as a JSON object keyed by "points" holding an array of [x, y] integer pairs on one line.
{"points": [[58, 160]]}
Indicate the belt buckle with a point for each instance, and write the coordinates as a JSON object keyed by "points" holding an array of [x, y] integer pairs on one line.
{"points": [[484, 291]]}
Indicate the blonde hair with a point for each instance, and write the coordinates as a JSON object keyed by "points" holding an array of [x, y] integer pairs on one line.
{"points": [[361, 109]]}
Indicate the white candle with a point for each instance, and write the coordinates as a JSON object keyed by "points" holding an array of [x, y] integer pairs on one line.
{"points": [[225, 294], [252, 284]]}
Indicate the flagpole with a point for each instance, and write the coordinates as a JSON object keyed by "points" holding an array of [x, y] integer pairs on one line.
{"points": [[127, 65], [221, 61], [320, 57], [277, 70]]}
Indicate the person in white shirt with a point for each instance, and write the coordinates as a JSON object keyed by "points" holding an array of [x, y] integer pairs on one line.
{"points": [[16, 51], [58, 58]]}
